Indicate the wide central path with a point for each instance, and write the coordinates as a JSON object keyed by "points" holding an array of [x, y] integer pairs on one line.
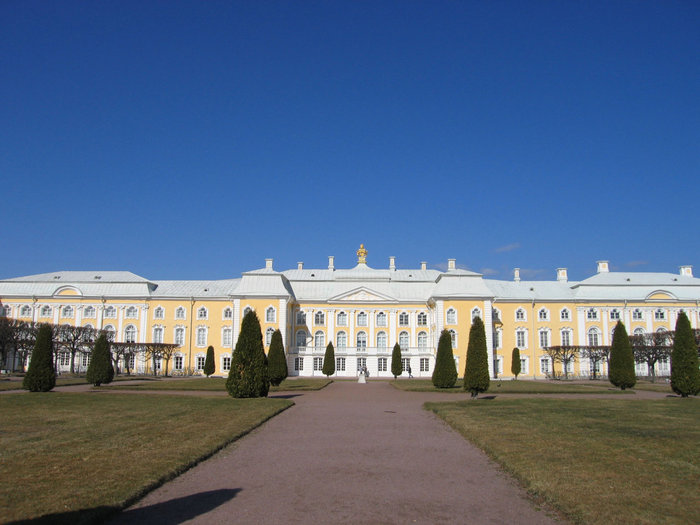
{"points": [[361, 453]]}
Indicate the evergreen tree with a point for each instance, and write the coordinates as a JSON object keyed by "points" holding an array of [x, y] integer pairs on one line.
{"points": [[329, 361], [41, 376], [209, 365], [476, 371], [685, 375], [621, 362], [445, 373], [515, 366], [276, 360], [396, 368], [248, 376], [100, 369]]}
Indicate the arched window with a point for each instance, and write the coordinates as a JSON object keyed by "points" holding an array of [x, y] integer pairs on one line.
{"points": [[422, 340], [131, 313], [381, 319], [270, 315], [404, 340], [228, 313], [451, 316], [110, 332], [614, 314], [593, 337], [45, 311], [319, 340], [342, 339], [381, 340], [319, 319], [268, 336], [422, 319], [89, 333], [26, 311], [520, 314], [247, 310], [453, 336], [362, 319], [592, 314], [158, 334], [565, 314], [202, 313], [361, 340], [637, 315], [158, 313], [180, 312], [201, 336], [476, 312], [130, 334], [638, 331], [67, 311], [342, 319], [179, 336], [403, 319], [301, 339], [543, 314]]}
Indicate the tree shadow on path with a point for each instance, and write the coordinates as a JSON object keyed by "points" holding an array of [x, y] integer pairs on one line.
{"points": [[174, 511]]}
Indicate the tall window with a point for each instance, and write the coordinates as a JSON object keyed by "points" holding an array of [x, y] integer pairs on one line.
{"points": [[301, 318], [318, 364], [247, 310], [158, 313], [476, 312], [381, 319], [361, 340], [520, 314], [453, 337], [520, 339], [110, 332], [451, 316], [361, 363], [319, 340], [227, 336], [381, 340], [179, 336], [201, 336], [566, 338], [362, 319], [422, 319], [179, 312], [298, 363], [404, 340], [543, 314], [340, 364], [342, 339], [131, 313], [544, 365], [157, 334], [268, 336], [202, 313], [301, 338], [422, 340], [178, 362], [565, 314], [593, 337], [199, 362], [342, 319], [319, 319], [226, 363], [381, 364], [403, 319], [130, 334], [270, 315], [424, 364], [544, 339]]}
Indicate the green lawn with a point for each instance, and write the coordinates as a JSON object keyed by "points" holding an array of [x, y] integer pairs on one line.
{"points": [[62, 453], [520, 386], [218, 384], [599, 461], [66, 380]]}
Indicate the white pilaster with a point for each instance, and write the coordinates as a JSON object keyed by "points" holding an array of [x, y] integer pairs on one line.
{"points": [[282, 321], [488, 328], [236, 321], [581, 325]]}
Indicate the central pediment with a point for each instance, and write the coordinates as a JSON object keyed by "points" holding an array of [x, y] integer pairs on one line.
{"points": [[362, 295]]}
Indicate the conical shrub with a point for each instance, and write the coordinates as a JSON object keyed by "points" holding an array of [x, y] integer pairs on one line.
{"points": [[209, 364], [276, 360], [329, 361], [445, 373], [100, 370], [621, 363], [249, 376], [396, 367], [685, 375], [476, 371], [41, 376], [515, 365]]}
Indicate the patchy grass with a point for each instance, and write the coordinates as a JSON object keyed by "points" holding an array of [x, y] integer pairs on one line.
{"points": [[599, 461], [218, 384], [67, 380], [79, 457], [660, 386], [513, 387]]}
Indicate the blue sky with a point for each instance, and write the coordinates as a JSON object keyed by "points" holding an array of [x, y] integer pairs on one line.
{"points": [[191, 140]]}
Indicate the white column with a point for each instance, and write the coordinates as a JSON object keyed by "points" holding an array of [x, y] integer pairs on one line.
{"points": [[488, 328], [648, 315], [79, 315], [120, 321], [392, 329], [236, 320], [440, 316], [412, 327], [581, 325], [100, 316], [352, 341], [330, 336], [144, 323], [605, 312], [282, 321], [56, 311], [372, 320]]}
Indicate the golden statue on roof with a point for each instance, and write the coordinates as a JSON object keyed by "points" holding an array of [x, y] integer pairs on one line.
{"points": [[362, 255]]}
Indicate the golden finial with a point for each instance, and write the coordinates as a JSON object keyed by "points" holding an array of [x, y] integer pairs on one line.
{"points": [[362, 255]]}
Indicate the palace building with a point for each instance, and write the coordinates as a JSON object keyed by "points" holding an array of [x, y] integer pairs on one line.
{"points": [[363, 311]]}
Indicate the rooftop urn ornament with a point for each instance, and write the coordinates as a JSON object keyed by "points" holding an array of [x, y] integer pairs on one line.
{"points": [[362, 255]]}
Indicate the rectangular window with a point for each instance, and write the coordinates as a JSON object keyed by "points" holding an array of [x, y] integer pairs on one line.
{"points": [[544, 365], [497, 339], [565, 338], [405, 363], [318, 364], [520, 339], [85, 360], [340, 364], [226, 339], [544, 339], [226, 363], [201, 337], [361, 363], [64, 359], [200, 362], [298, 363], [523, 366], [381, 364], [178, 362], [424, 364]]}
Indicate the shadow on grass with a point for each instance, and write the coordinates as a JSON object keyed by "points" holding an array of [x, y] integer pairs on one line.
{"points": [[174, 511], [284, 396]]}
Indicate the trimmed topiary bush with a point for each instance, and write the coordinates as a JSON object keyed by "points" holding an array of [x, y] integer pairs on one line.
{"points": [[396, 368], [41, 376], [621, 362], [445, 373], [100, 370], [248, 376], [515, 365], [329, 361], [209, 365], [685, 375], [277, 360], [476, 371]]}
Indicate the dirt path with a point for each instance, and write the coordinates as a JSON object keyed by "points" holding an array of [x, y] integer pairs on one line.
{"points": [[347, 453]]}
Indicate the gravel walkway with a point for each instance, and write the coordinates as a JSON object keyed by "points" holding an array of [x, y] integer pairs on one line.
{"points": [[347, 453]]}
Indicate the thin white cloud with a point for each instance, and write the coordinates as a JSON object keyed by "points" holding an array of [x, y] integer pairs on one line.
{"points": [[489, 271], [508, 247]]}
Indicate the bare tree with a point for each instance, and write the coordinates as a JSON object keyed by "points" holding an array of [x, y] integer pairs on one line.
{"points": [[72, 339], [595, 356], [25, 339], [561, 354], [125, 352], [164, 351], [652, 347]]}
